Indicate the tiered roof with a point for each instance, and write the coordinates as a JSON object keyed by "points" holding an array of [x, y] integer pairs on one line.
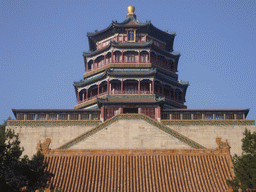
{"points": [[131, 22]]}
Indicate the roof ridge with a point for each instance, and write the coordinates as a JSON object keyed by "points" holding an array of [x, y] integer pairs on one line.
{"points": [[144, 117]]}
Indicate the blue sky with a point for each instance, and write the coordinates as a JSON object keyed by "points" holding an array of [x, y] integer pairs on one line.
{"points": [[42, 44]]}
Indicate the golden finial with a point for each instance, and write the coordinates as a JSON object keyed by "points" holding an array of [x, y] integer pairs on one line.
{"points": [[131, 10]]}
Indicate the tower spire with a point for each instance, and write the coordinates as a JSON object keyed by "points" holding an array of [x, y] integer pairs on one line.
{"points": [[131, 13]]}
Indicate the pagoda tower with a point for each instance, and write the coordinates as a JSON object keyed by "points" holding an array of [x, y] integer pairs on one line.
{"points": [[131, 68]]}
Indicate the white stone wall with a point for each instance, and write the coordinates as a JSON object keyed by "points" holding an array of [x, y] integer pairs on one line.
{"points": [[206, 135], [30, 136], [131, 134]]}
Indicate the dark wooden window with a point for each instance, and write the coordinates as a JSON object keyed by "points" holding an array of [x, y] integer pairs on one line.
{"points": [[219, 116], [20, 116], [110, 112], [73, 116], [63, 117], [52, 117], [164, 116], [85, 116], [230, 116], [186, 116], [208, 116], [176, 116], [239, 116], [150, 111], [30, 116], [95, 116], [41, 116], [197, 116]]}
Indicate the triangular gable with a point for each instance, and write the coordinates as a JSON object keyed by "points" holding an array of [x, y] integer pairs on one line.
{"points": [[142, 117], [131, 134]]}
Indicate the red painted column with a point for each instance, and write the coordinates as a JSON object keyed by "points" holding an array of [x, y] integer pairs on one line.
{"points": [[108, 87], [104, 59], [139, 57], [122, 86], [153, 86], [159, 112], [139, 86], [102, 110], [86, 94], [98, 90], [122, 57], [149, 57], [86, 67], [112, 57], [78, 97], [83, 97], [93, 64]]}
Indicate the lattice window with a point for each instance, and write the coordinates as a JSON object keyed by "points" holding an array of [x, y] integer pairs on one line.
{"points": [[118, 58], [63, 117], [130, 58], [186, 116], [110, 112], [73, 116], [176, 115], [219, 116], [164, 116], [41, 116], [52, 117], [150, 111], [143, 58], [197, 116], [30, 116], [230, 116], [208, 116], [239, 116], [180, 96], [95, 116], [85, 116], [20, 116]]}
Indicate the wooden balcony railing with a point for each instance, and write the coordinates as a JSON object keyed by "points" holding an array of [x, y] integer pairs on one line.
{"points": [[204, 114]]}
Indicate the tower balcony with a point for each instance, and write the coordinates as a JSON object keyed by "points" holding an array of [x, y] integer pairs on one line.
{"points": [[126, 59], [89, 95]]}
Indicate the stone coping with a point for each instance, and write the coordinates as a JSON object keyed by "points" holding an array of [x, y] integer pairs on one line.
{"points": [[208, 122]]}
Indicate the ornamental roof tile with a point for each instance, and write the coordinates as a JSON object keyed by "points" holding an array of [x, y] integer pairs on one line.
{"points": [[139, 170], [148, 44], [131, 99], [88, 80], [131, 22]]}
